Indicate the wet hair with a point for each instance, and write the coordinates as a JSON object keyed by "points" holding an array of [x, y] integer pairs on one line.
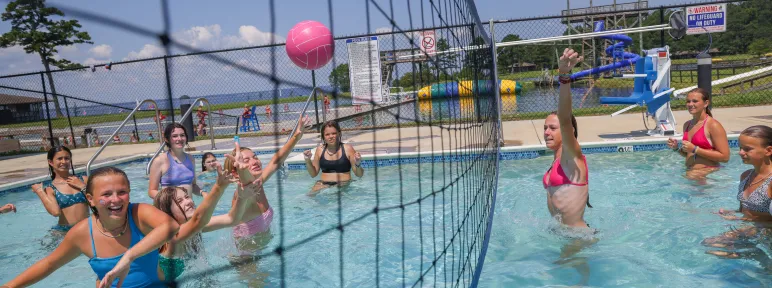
{"points": [[168, 133], [100, 172], [52, 152], [573, 123], [762, 132], [228, 165], [705, 97], [333, 124], [164, 201], [203, 159]]}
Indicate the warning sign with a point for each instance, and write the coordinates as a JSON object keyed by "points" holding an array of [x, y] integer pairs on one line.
{"points": [[706, 18], [428, 42]]}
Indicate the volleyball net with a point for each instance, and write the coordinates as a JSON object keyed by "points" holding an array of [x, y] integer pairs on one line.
{"points": [[428, 131]]}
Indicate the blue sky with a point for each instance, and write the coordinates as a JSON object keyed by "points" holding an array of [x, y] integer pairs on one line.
{"points": [[224, 24]]}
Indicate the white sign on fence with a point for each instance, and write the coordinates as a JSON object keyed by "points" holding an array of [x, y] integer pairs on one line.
{"points": [[428, 43], [364, 70], [706, 17]]}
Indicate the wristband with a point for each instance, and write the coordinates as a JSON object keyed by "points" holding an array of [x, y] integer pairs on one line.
{"points": [[564, 80]]}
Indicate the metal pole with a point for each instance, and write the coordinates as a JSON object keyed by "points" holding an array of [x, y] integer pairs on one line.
{"points": [[640, 24], [704, 67], [72, 132], [661, 21], [495, 86], [136, 130], [168, 90], [316, 100], [568, 21], [48, 112]]}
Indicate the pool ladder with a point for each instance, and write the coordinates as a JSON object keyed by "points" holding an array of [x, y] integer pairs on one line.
{"points": [[110, 139], [185, 116]]}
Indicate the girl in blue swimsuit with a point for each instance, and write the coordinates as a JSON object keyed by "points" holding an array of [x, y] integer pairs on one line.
{"points": [[121, 240], [64, 198], [176, 168]]}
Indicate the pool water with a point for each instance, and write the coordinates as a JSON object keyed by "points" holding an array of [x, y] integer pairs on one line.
{"points": [[651, 222]]}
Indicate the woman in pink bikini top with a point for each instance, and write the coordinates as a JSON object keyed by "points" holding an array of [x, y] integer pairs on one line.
{"points": [[704, 144], [566, 180]]}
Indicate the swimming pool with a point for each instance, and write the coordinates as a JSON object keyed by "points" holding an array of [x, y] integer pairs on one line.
{"points": [[651, 219]]}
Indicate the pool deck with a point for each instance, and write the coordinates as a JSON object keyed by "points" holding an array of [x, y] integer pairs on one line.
{"points": [[411, 139]]}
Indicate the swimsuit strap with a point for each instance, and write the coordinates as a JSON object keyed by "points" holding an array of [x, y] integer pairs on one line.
{"points": [[91, 234]]}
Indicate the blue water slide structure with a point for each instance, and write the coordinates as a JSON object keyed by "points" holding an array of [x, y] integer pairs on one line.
{"points": [[616, 51]]}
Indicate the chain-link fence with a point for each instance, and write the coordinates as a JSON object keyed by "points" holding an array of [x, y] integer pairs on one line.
{"points": [[534, 66], [82, 107]]}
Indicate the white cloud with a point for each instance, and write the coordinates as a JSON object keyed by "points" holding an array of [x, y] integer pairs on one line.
{"points": [[212, 37], [11, 50], [90, 61], [148, 51], [102, 51], [68, 49]]}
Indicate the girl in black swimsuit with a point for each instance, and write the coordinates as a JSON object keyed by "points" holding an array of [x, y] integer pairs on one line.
{"points": [[335, 159]]}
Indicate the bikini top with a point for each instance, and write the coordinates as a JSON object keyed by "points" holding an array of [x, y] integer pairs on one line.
{"points": [[699, 138], [178, 173], [758, 200], [341, 165], [558, 177], [67, 200]]}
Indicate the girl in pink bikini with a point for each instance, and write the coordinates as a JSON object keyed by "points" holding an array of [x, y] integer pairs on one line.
{"points": [[704, 143], [566, 180]]}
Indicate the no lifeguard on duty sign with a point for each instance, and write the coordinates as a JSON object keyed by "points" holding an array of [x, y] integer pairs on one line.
{"points": [[706, 17]]}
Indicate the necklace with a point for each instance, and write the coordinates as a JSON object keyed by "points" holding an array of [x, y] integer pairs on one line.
{"points": [[762, 179], [333, 153], [116, 236]]}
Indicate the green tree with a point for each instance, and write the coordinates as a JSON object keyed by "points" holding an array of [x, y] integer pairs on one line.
{"points": [[444, 60], [760, 47], [339, 78], [34, 30]]}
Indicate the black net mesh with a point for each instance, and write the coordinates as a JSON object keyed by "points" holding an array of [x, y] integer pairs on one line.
{"points": [[429, 230]]}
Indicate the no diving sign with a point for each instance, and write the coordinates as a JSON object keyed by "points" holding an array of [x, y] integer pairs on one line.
{"points": [[706, 17], [428, 43]]}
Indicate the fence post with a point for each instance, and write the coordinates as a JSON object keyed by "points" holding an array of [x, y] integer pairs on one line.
{"points": [[661, 21], [495, 82], [48, 112], [72, 132], [316, 103], [168, 89], [136, 131], [704, 77]]}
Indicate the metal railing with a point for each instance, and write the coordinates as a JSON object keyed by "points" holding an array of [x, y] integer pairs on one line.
{"points": [[283, 168], [182, 119], [110, 139]]}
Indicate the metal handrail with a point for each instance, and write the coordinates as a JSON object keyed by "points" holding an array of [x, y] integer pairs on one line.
{"points": [[110, 139], [185, 116], [282, 168]]}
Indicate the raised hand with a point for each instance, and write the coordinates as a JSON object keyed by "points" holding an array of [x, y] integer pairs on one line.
{"points": [[307, 154], [37, 188], [357, 158], [569, 59], [242, 168], [75, 182], [304, 123]]}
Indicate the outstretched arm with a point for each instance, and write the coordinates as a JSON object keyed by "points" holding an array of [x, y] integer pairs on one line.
{"points": [[48, 199], [567, 62], [203, 212], [285, 150], [245, 194]]}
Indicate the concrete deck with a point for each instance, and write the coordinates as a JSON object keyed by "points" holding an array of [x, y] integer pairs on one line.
{"points": [[410, 139]]}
